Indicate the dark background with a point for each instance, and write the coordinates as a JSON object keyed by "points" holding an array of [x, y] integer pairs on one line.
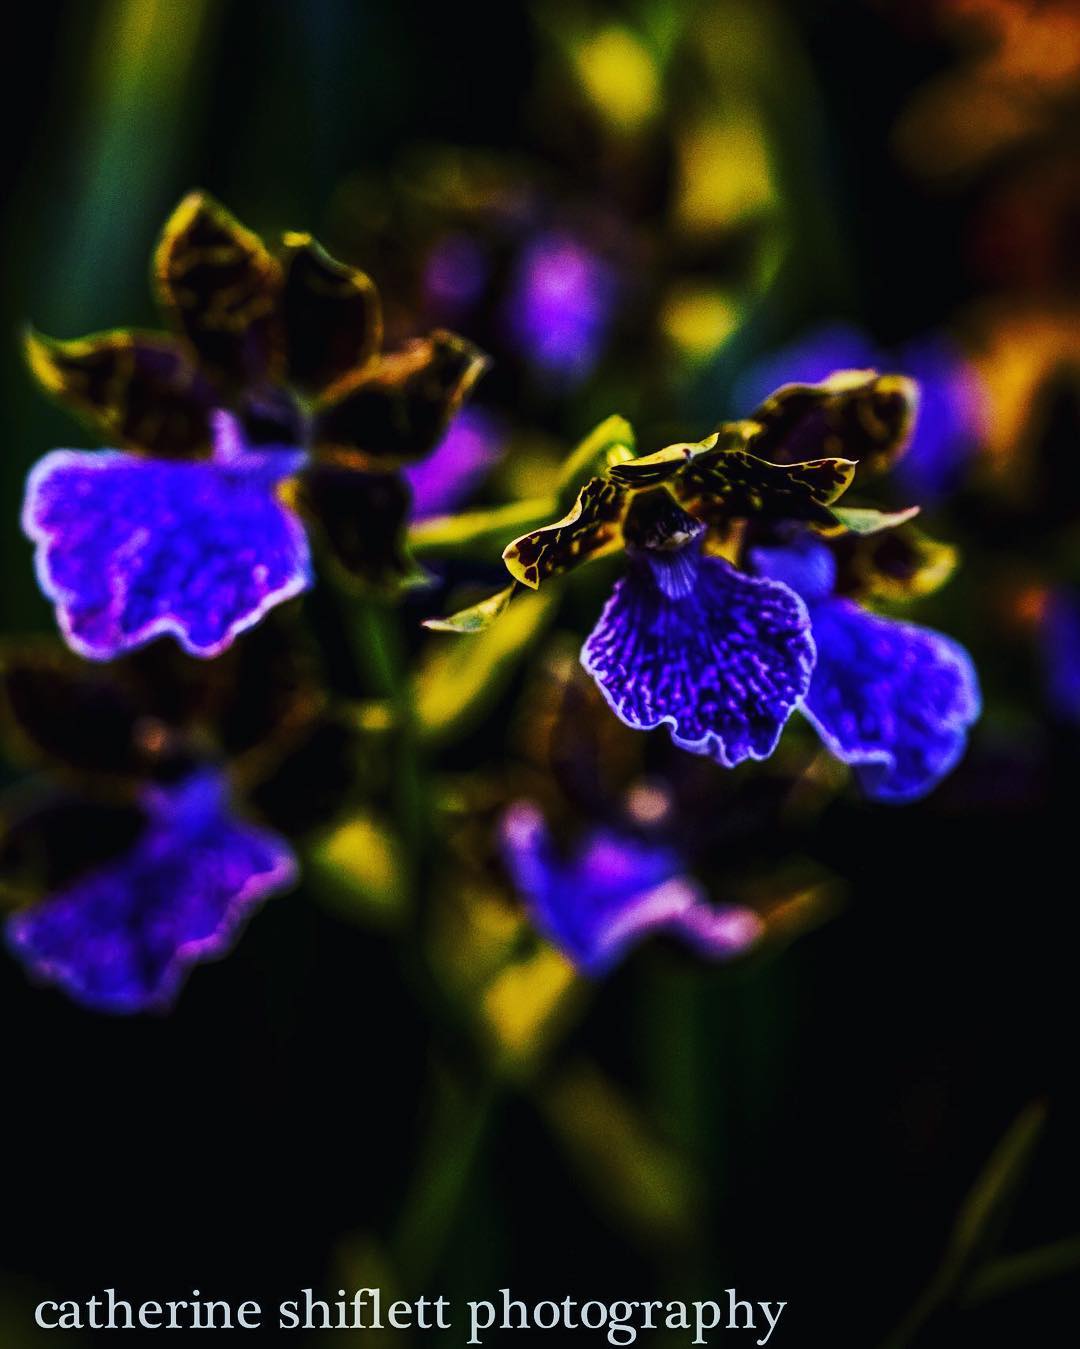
{"points": [[855, 1086]]}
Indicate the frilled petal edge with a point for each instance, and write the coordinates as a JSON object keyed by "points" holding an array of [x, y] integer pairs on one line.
{"points": [[129, 549], [723, 664], [894, 699], [612, 893], [122, 938]]}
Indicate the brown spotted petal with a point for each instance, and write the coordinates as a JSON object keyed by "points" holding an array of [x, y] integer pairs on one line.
{"points": [[139, 391], [650, 470], [331, 317], [221, 288], [81, 717], [898, 564], [857, 414], [592, 528], [262, 690], [359, 517], [722, 484], [398, 411]]}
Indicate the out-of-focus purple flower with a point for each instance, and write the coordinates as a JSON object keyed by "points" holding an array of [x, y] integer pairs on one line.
{"points": [[719, 657], [1059, 634], [952, 405], [130, 548], [123, 938], [612, 892], [951, 420], [808, 360], [560, 304], [458, 464], [893, 699], [455, 273]]}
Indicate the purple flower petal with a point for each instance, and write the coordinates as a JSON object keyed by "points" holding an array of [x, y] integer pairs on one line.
{"points": [[811, 358], [456, 466], [723, 661], [131, 548], [1059, 640], [122, 938], [806, 565], [613, 892], [953, 409], [892, 698], [561, 304]]}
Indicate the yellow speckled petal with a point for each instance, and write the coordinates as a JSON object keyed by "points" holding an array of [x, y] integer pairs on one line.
{"points": [[856, 414], [592, 528], [139, 391]]}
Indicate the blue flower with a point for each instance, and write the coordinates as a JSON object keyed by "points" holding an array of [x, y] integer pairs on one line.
{"points": [[130, 548], [268, 410], [122, 937], [891, 698], [721, 658], [612, 892], [686, 640]]}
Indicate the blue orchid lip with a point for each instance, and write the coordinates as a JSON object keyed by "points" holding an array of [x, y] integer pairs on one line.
{"points": [[720, 658], [123, 938], [612, 892], [129, 549], [468, 451]]}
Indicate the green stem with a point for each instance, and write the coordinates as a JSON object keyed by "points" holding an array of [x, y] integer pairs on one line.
{"points": [[377, 647], [460, 1122]]}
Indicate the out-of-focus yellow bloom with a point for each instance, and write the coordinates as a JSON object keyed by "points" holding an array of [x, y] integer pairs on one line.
{"points": [[619, 76], [523, 999], [518, 993], [361, 869], [725, 173], [699, 320], [1020, 350]]}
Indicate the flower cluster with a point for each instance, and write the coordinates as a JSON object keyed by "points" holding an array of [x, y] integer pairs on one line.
{"points": [[721, 654], [268, 408], [268, 420]]}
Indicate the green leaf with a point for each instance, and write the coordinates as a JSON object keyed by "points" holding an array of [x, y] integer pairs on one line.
{"points": [[482, 533], [865, 520], [478, 617], [1012, 1272], [979, 1226], [986, 1210], [459, 680], [643, 1183]]}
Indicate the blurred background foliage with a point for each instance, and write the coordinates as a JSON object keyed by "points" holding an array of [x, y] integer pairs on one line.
{"points": [[721, 181]]}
